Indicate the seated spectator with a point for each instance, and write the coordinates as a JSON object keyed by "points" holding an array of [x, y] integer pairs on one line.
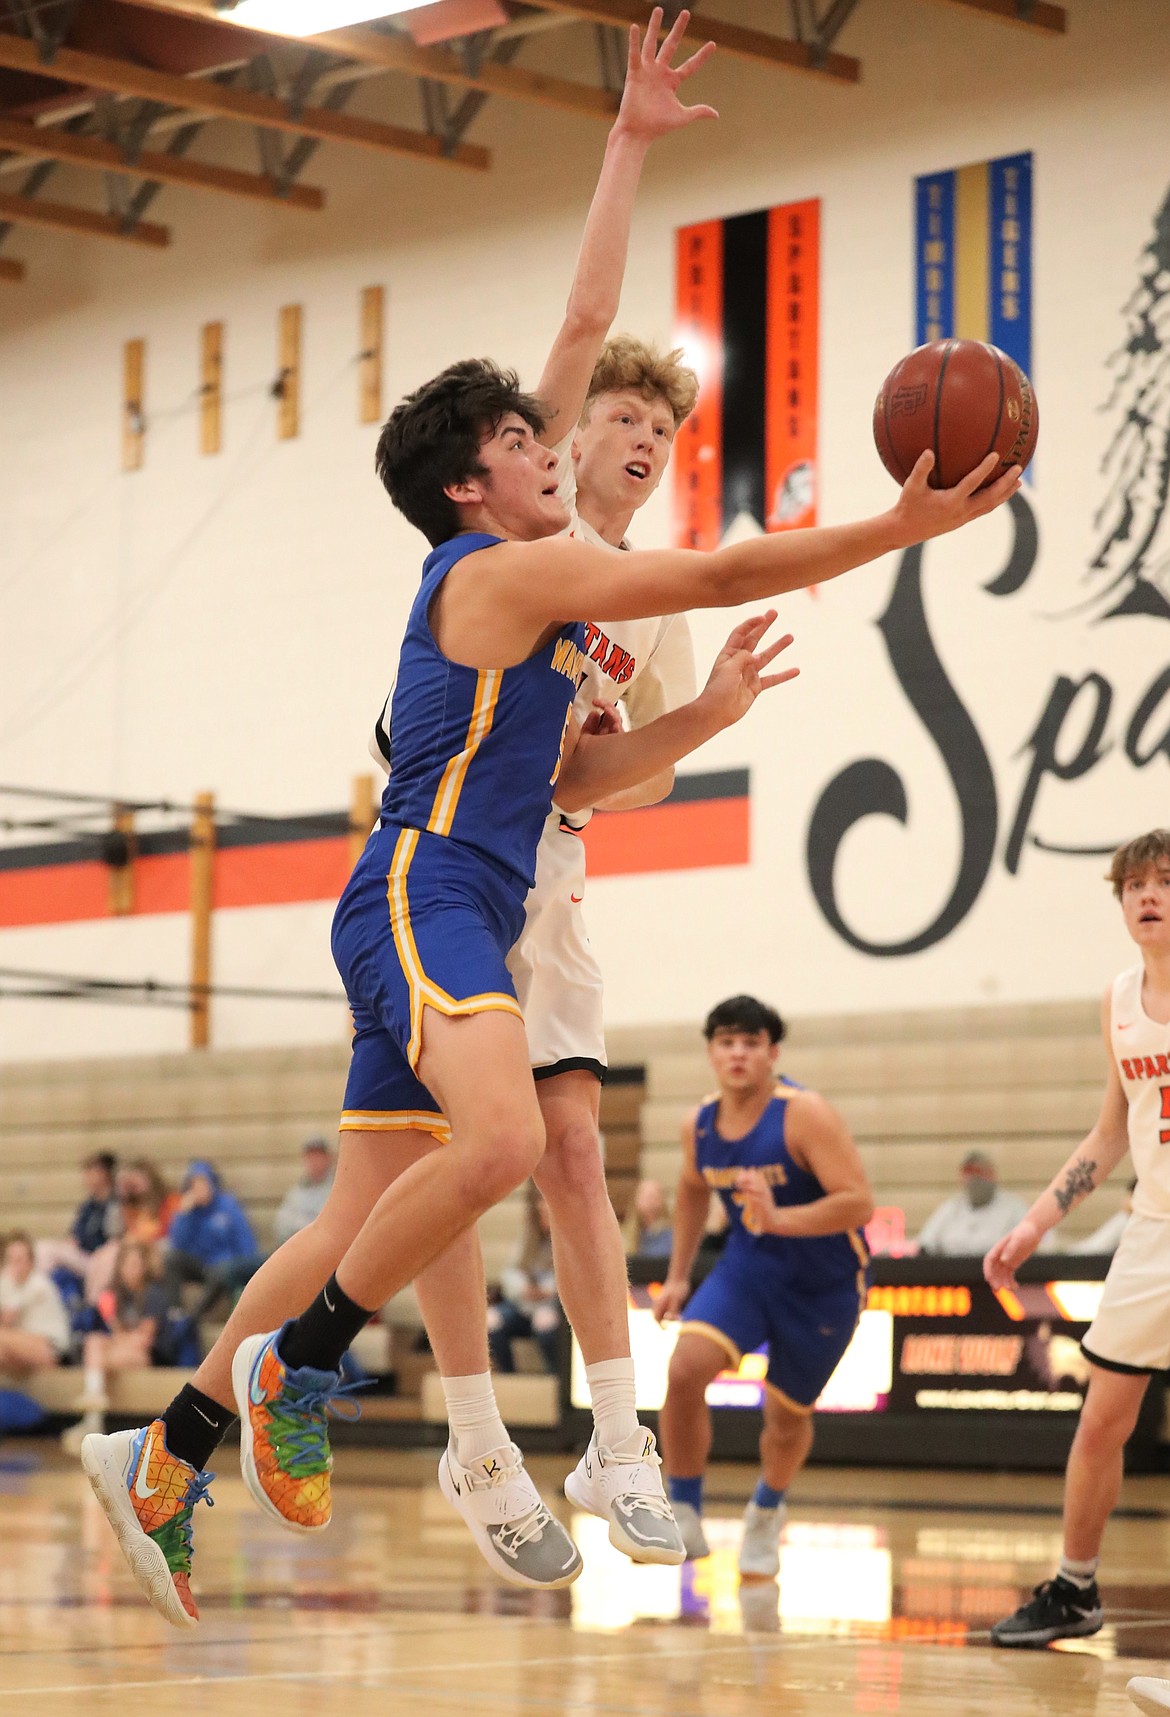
{"points": [[34, 1325], [211, 1242], [528, 1305], [96, 1223], [653, 1235], [134, 1311], [147, 1203], [1104, 1241], [304, 1202], [146, 1207], [975, 1217]]}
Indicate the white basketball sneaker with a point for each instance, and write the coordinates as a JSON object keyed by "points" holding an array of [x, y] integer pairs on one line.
{"points": [[1150, 1694], [624, 1486], [759, 1550], [690, 1525], [516, 1534]]}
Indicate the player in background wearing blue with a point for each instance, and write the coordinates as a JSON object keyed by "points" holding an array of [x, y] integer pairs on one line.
{"points": [[483, 734], [793, 1272]]}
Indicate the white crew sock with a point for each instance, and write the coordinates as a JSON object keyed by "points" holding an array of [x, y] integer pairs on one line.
{"points": [[473, 1416], [1079, 1574], [611, 1389], [95, 1382]]}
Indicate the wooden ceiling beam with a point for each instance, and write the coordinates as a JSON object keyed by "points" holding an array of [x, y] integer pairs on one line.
{"points": [[755, 45], [51, 143], [398, 53], [1039, 15], [217, 101], [10, 269], [65, 218]]}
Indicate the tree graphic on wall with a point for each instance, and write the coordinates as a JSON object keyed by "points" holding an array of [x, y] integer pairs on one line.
{"points": [[1131, 568]]}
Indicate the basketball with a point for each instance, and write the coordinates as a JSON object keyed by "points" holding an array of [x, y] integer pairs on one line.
{"points": [[961, 398]]}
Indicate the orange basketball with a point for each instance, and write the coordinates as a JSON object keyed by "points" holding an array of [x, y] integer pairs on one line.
{"points": [[962, 399]]}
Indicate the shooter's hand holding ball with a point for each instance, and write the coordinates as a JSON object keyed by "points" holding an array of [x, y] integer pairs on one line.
{"points": [[962, 401]]}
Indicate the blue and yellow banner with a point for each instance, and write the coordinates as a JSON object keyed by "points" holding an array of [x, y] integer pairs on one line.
{"points": [[973, 255]]}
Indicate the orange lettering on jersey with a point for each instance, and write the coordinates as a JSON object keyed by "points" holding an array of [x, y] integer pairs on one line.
{"points": [[1164, 1134], [1127, 1069], [1163, 1067], [1151, 1071], [619, 665]]}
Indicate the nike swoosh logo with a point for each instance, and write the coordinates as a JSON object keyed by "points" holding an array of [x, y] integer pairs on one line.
{"points": [[142, 1490], [328, 1302], [214, 1423], [576, 899], [1124, 1027], [256, 1393]]}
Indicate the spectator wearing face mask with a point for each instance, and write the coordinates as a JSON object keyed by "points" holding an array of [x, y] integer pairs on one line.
{"points": [[974, 1218]]}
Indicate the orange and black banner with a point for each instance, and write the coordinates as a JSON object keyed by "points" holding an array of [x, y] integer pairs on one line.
{"points": [[285, 861], [747, 304]]}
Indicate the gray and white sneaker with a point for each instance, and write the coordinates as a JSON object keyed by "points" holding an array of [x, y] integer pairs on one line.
{"points": [[690, 1525], [624, 1486], [515, 1532], [759, 1550], [1150, 1694]]}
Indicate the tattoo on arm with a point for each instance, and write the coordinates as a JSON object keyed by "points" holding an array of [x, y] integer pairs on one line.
{"points": [[1077, 1182]]}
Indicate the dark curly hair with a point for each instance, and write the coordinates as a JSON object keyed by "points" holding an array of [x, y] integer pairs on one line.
{"points": [[744, 1013], [432, 439]]}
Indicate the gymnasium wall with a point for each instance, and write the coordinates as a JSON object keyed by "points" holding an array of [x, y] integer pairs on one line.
{"points": [[232, 622]]}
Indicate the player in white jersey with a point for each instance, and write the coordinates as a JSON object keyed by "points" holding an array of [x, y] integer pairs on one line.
{"points": [[614, 409], [1130, 1336]]}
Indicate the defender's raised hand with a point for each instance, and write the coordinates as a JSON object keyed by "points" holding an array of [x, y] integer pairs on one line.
{"points": [[650, 101], [737, 677]]}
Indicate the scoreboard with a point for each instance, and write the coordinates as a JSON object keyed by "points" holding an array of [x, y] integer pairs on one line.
{"points": [[942, 1369]]}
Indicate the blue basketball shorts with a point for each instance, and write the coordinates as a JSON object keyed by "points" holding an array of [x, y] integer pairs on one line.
{"points": [[748, 1301], [422, 922]]}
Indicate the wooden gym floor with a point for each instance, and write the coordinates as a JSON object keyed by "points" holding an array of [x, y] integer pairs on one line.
{"points": [[889, 1583]]}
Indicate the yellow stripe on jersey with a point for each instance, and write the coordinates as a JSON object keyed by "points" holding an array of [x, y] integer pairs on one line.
{"points": [[395, 1121], [487, 690], [423, 990]]}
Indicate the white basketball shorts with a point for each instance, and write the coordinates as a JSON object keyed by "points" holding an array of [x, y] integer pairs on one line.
{"points": [[558, 982], [1131, 1331]]}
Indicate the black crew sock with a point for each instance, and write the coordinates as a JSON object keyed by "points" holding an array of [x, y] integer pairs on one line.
{"points": [[195, 1425], [321, 1334]]}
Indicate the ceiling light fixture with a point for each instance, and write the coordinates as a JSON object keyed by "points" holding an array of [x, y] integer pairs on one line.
{"points": [[309, 17]]}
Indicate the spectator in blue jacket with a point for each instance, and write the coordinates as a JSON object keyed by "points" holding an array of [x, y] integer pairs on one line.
{"points": [[211, 1242]]}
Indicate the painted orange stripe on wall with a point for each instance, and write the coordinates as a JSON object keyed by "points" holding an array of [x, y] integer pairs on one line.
{"points": [[57, 894], [281, 875], [689, 835]]}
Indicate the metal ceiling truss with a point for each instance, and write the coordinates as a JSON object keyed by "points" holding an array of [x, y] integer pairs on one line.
{"points": [[324, 72]]}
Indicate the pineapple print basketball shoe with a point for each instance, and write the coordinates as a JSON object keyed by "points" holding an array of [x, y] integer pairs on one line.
{"points": [[284, 1437], [148, 1497]]}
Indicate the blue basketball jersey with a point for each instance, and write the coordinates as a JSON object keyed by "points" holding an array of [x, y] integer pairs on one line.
{"points": [[475, 752], [810, 1262]]}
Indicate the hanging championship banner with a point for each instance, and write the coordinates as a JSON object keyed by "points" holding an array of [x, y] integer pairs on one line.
{"points": [[747, 315], [973, 255]]}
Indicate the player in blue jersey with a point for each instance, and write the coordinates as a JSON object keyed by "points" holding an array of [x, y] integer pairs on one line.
{"points": [[482, 732], [792, 1275]]}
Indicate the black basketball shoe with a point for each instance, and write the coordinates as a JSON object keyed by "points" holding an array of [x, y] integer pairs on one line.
{"points": [[1056, 1610]]}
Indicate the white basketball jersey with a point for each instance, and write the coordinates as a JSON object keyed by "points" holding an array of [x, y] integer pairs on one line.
{"points": [[648, 666], [1141, 1048]]}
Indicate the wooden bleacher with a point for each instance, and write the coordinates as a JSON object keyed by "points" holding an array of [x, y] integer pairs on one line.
{"points": [[918, 1088]]}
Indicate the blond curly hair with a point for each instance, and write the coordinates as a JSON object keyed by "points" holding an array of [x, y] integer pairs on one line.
{"points": [[629, 365]]}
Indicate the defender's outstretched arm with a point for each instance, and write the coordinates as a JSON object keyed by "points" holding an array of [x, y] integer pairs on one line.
{"points": [[650, 109]]}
